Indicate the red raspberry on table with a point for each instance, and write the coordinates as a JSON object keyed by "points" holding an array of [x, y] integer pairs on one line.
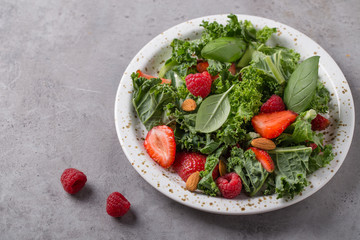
{"points": [[229, 185], [186, 163], [117, 205], [319, 123], [273, 104], [73, 180], [199, 84]]}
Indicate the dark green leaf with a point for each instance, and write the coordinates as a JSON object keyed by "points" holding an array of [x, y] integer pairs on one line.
{"points": [[224, 49]]}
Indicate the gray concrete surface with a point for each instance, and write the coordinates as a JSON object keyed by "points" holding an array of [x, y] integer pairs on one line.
{"points": [[60, 65]]}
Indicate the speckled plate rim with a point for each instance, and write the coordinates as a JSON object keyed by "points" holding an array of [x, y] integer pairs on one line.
{"points": [[131, 132]]}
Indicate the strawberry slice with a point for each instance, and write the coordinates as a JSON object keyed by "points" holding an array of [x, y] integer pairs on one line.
{"points": [[141, 74], [160, 145], [271, 125], [264, 158]]}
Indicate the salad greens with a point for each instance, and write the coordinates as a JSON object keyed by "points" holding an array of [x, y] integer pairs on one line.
{"points": [[223, 119], [213, 112]]}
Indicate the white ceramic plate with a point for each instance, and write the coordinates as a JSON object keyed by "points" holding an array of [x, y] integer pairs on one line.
{"points": [[131, 132]]}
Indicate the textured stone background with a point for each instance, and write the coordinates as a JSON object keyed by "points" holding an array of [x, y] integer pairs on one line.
{"points": [[60, 65]]}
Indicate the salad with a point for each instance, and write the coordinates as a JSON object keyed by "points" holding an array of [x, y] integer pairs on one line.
{"points": [[232, 115]]}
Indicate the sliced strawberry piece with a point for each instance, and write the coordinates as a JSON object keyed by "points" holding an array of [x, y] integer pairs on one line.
{"points": [[232, 69], [264, 158], [319, 123], [202, 66], [160, 145], [141, 74], [271, 125]]}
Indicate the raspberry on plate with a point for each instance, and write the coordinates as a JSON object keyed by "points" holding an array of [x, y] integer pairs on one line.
{"points": [[229, 185], [186, 163], [199, 84], [319, 123], [273, 104], [73, 180], [117, 205]]}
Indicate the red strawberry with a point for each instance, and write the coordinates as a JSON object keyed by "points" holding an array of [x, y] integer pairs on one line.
{"points": [[271, 125], [229, 185], [160, 145], [141, 74], [186, 163], [199, 84], [264, 158], [202, 66], [273, 104], [319, 123]]}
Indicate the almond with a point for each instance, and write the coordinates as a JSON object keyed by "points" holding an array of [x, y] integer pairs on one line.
{"points": [[188, 105], [192, 181], [263, 143], [222, 168]]}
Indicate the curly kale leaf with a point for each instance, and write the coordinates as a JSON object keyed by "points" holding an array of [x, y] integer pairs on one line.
{"points": [[264, 34], [292, 164], [235, 28], [320, 103], [207, 183], [320, 158], [216, 67], [250, 170], [150, 100], [184, 51]]}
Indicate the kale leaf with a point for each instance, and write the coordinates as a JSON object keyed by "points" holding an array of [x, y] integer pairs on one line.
{"points": [[250, 170]]}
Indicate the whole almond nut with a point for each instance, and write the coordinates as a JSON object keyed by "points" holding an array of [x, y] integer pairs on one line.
{"points": [[263, 143], [222, 168], [188, 105], [192, 181]]}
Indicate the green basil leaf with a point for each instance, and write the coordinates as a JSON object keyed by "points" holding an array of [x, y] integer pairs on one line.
{"points": [[301, 87], [224, 49], [213, 112]]}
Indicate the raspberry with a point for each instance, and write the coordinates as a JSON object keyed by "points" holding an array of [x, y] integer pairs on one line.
{"points": [[229, 185], [187, 163], [117, 205], [199, 84], [319, 123], [273, 104], [73, 180]]}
